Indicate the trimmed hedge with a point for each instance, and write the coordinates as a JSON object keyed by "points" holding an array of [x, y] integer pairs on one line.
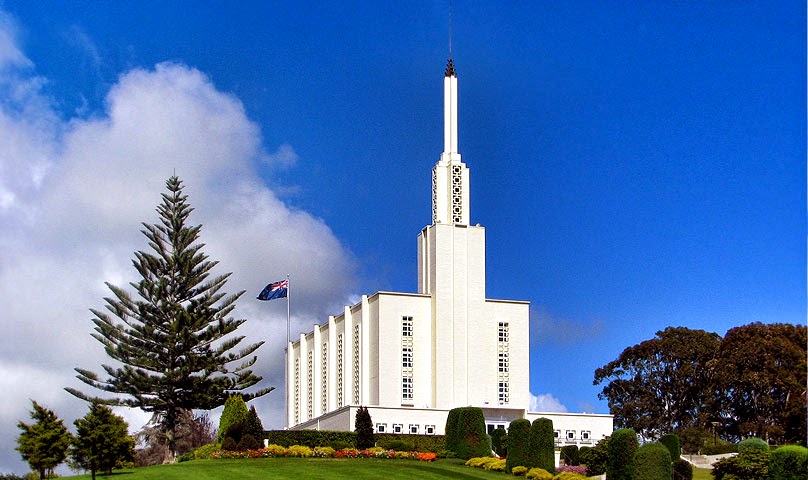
{"points": [[518, 444], [622, 446], [328, 438], [468, 437], [570, 455], [752, 445], [789, 462], [673, 445], [542, 445], [652, 462], [309, 438]]}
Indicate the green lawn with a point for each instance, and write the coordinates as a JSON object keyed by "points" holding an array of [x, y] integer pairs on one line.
{"points": [[308, 468], [702, 474]]}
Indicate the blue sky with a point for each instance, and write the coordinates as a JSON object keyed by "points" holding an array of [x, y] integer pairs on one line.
{"points": [[637, 165]]}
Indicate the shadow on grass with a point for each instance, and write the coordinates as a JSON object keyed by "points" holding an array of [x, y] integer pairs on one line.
{"points": [[442, 472]]}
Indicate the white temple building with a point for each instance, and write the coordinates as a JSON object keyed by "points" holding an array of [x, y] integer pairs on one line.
{"points": [[411, 357]]}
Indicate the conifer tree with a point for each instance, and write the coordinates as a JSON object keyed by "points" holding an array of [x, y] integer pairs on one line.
{"points": [[43, 444], [102, 440], [173, 339], [364, 429]]}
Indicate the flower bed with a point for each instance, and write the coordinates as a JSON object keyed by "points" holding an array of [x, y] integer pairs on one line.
{"points": [[277, 451]]}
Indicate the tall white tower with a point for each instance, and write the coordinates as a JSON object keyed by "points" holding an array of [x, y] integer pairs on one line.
{"points": [[451, 269], [450, 177]]}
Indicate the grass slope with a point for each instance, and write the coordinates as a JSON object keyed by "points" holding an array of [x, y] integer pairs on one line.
{"points": [[308, 468]]}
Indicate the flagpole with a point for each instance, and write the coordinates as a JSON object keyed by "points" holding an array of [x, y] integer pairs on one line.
{"points": [[288, 339]]}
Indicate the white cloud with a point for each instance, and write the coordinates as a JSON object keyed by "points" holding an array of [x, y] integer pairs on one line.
{"points": [[73, 194], [545, 402], [285, 156]]}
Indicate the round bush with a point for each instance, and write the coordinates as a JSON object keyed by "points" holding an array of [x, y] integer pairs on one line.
{"points": [[789, 462], [539, 474], [682, 470], [519, 471], [248, 442], [751, 445], [652, 462]]}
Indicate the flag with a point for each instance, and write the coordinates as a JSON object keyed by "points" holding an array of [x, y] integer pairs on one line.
{"points": [[274, 290]]}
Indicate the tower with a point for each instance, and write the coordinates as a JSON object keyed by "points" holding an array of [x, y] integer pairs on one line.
{"points": [[451, 269]]}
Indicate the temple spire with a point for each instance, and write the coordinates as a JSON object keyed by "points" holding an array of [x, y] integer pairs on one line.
{"points": [[450, 109]]}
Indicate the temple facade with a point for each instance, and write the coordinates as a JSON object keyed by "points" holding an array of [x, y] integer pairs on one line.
{"points": [[411, 357]]}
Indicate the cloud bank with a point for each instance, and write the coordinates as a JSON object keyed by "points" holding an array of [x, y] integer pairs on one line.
{"points": [[73, 193]]}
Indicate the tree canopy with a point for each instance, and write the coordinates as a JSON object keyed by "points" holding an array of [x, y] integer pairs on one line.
{"points": [[661, 384], [751, 382], [102, 440], [44, 443], [172, 341]]}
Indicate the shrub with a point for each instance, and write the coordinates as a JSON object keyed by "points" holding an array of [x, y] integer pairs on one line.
{"points": [[235, 412], [752, 444], [682, 469], [323, 452], [299, 451], [340, 444], [229, 445], [621, 449], [580, 470], [518, 471], [518, 438], [421, 443], [363, 425], [468, 438], [203, 452], [595, 458], [752, 464], [541, 446], [446, 454], [673, 445], [311, 438], [399, 445], [480, 462], [652, 462], [569, 476], [789, 462], [570, 455], [496, 466], [248, 442], [539, 474], [499, 441]]}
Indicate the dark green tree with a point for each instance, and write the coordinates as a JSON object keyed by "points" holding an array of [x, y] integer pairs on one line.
{"points": [[621, 448], [235, 413], [542, 445], [518, 444], [173, 338], [760, 372], [44, 443], [661, 384], [652, 462], [451, 431], [253, 425], [102, 440], [363, 426]]}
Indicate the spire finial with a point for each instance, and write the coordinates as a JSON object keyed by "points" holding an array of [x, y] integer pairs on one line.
{"points": [[450, 29]]}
